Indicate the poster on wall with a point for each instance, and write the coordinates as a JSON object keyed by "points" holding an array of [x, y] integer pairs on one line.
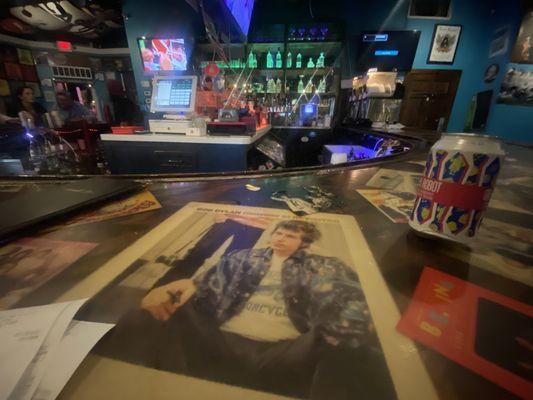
{"points": [[522, 52], [500, 42], [517, 87], [24, 56], [261, 299], [13, 71], [8, 54], [444, 44], [4, 88], [29, 73], [491, 73]]}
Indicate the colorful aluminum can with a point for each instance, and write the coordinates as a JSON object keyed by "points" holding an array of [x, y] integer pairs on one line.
{"points": [[460, 174]]}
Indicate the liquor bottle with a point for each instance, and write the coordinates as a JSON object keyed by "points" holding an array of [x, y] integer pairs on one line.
{"points": [[289, 60], [309, 87], [301, 85], [251, 57], [299, 60], [270, 60], [321, 86], [278, 86], [310, 63], [320, 61], [279, 63], [255, 62], [271, 86]]}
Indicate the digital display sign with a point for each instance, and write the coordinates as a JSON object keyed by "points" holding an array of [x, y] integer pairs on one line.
{"points": [[386, 51], [375, 37]]}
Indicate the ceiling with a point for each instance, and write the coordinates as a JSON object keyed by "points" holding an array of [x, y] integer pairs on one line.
{"points": [[80, 21]]}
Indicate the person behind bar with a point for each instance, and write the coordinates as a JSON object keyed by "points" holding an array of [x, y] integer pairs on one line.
{"points": [[266, 318], [125, 111], [68, 109]]}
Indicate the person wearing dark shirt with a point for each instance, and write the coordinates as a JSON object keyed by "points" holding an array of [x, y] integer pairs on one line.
{"points": [[25, 101], [125, 111], [70, 110]]}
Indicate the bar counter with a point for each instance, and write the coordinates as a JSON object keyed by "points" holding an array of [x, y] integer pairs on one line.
{"points": [[500, 260]]}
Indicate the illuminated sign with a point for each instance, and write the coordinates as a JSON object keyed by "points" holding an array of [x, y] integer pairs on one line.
{"points": [[64, 46], [386, 52], [375, 37]]}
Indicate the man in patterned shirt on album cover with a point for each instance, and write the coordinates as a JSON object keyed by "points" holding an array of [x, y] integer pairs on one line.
{"points": [[263, 314]]}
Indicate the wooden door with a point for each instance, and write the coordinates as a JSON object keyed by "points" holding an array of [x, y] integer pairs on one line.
{"points": [[429, 96]]}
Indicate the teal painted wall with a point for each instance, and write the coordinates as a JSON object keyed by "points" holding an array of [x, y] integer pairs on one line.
{"points": [[471, 56], [156, 18], [509, 121], [479, 20]]}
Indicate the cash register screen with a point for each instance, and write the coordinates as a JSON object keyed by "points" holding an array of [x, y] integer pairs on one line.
{"points": [[174, 94]]}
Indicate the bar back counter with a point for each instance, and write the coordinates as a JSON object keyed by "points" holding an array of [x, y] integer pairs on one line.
{"points": [[209, 202], [287, 149]]}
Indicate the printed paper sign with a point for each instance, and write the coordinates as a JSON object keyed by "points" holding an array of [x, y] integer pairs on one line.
{"points": [[482, 330]]}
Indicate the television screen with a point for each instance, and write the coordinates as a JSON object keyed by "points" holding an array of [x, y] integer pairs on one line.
{"points": [[387, 51], [163, 55], [242, 12]]}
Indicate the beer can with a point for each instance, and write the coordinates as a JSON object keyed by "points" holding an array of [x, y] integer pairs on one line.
{"points": [[454, 192]]}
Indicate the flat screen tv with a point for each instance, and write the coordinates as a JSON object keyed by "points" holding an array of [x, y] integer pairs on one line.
{"points": [[163, 55], [387, 51], [242, 12]]}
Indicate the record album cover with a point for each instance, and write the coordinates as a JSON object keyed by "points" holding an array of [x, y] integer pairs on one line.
{"points": [[255, 298]]}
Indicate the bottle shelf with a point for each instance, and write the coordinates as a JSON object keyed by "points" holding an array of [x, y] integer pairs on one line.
{"points": [[264, 47], [308, 71], [293, 92], [269, 69], [301, 71], [327, 50]]}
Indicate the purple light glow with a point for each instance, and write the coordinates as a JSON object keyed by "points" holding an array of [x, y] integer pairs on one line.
{"points": [[242, 12]]}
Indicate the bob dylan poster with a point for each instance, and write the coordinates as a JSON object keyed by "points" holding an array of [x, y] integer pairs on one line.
{"points": [[260, 299]]}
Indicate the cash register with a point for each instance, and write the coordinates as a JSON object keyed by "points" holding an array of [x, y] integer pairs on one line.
{"points": [[175, 96]]}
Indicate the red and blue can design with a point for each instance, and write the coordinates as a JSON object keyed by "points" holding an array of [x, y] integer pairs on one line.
{"points": [[454, 192]]}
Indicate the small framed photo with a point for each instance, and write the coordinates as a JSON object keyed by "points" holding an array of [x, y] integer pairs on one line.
{"points": [[444, 44]]}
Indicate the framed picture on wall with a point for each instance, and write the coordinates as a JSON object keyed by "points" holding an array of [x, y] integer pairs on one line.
{"points": [[523, 49], [500, 42], [491, 73], [430, 9], [516, 87], [444, 44]]}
